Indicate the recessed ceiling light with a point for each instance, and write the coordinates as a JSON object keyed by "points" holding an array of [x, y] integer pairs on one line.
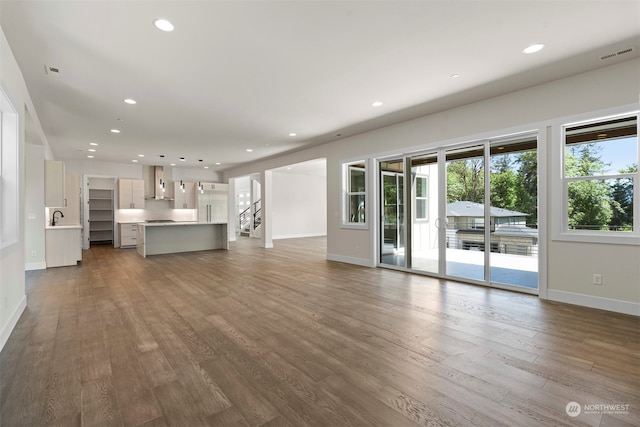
{"points": [[93, 143], [130, 101], [206, 167], [454, 76], [172, 164], [376, 103], [288, 169], [292, 134], [163, 24], [537, 47], [115, 131], [91, 157], [182, 159], [134, 161], [92, 150], [140, 155], [218, 163], [249, 150]]}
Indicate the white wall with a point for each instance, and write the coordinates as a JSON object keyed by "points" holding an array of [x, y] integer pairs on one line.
{"points": [[535, 107], [12, 258], [299, 205], [34, 233]]}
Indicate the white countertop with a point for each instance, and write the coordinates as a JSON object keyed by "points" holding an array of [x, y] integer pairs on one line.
{"points": [[62, 227]]}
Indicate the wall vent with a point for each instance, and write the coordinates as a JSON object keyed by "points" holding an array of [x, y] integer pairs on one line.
{"points": [[616, 54]]}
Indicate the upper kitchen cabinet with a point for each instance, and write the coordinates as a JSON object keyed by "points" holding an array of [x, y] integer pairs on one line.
{"points": [[214, 186], [72, 203], [54, 184], [130, 194], [184, 195]]}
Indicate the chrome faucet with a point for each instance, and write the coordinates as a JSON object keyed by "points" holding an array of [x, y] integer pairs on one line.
{"points": [[53, 217]]}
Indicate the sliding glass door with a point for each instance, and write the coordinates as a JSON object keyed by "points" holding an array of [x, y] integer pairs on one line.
{"points": [[426, 226], [471, 212], [392, 231], [465, 213]]}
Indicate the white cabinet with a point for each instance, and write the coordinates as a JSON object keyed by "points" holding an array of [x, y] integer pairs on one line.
{"points": [[128, 235], [184, 198], [211, 186], [71, 209], [130, 194], [212, 206], [53, 184], [63, 245]]}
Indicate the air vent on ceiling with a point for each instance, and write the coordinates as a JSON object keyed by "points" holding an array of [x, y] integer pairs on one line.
{"points": [[48, 69], [616, 54]]}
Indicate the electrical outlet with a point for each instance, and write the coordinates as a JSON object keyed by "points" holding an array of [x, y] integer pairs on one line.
{"points": [[597, 279]]}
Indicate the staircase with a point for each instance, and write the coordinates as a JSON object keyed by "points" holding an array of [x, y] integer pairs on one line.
{"points": [[245, 219]]}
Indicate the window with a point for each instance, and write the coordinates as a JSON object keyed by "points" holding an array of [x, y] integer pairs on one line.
{"points": [[600, 177], [8, 172], [421, 208], [355, 183]]}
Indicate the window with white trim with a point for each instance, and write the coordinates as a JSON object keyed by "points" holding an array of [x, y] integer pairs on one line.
{"points": [[8, 172], [421, 201], [355, 194], [600, 177]]}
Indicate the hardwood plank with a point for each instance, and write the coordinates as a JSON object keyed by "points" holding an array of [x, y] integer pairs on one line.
{"points": [[282, 337], [99, 404]]}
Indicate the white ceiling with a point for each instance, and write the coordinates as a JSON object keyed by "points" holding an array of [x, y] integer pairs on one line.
{"points": [[244, 74]]}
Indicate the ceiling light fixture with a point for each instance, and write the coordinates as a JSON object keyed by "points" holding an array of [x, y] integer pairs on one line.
{"points": [[163, 24], [91, 157], [93, 150], [206, 167], [218, 163], [182, 159], [115, 131], [172, 164], [140, 155], [293, 134], [93, 143], [454, 76], [249, 150], [537, 47], [130, 101], [376, 103], [134, 161]]}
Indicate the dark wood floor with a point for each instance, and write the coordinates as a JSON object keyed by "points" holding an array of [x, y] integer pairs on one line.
{"points": [[282, 337]]}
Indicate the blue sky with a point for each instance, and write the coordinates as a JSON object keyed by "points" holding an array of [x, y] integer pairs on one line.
{"points": [[620, 153]]}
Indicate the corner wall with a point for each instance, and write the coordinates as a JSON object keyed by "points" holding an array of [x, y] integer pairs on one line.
{"points": [[12, 258]]}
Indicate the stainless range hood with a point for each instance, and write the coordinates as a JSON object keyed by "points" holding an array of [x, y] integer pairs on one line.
{"points": [[155, 186]]}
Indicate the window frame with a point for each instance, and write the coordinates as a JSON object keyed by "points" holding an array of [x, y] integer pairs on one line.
{"points": [[9, 177], [347, 167], [561, 229], [425, 198]]}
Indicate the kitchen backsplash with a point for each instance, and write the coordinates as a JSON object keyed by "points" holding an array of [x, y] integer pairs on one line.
{"points": [[156, 209]]}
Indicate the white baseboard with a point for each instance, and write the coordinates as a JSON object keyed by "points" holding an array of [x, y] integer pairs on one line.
{"points": [[12, 321], [350, 260], [615, 305], [35, 266], [298, 236]]}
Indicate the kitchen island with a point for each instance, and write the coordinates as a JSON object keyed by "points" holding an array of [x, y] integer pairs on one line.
{"points": [[174, 237]]}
